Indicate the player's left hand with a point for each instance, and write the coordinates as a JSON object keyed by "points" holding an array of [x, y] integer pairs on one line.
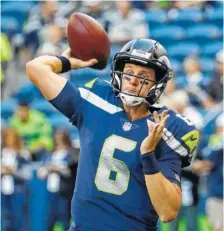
{"points": [[155, 132]]}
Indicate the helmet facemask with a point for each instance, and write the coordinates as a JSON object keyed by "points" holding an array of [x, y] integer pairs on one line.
{"points": [[162, 75], [131, 98]]}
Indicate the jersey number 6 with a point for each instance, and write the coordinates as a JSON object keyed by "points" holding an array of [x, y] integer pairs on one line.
{"points": [[109, 164]]}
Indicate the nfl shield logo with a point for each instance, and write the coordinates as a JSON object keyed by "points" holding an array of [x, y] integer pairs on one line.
{"points": [[127, 126]]}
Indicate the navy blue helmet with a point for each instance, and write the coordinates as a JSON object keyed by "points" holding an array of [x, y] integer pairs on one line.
{"points": [[148, 53]]}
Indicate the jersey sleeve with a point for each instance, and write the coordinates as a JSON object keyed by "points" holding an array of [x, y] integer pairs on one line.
{"points": [[69, 102], [179, 141], [170, 166], [182, 137]]}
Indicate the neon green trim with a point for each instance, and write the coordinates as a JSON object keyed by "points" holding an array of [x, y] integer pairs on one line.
{"points": [[91, 83], [191, 139]]}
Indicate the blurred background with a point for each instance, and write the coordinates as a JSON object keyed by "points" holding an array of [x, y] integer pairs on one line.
{"points": [[40, 148]]}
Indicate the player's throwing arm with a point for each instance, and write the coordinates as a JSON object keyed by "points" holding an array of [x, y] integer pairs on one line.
{"points": [[43, 72]]}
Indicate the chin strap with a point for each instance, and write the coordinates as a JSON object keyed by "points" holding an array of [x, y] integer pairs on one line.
{"points": [[130, 100]]}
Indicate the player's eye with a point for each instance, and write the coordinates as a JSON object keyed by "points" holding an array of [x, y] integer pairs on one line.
{"points": [[146, 82], [146, 77], [127, 76]]}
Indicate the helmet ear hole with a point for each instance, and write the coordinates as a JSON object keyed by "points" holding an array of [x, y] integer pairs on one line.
{"points": [[120, 66], [159, 74]]}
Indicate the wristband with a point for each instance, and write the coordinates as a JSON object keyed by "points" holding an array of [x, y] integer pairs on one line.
{"points": [[149, 162], [66, 65]]}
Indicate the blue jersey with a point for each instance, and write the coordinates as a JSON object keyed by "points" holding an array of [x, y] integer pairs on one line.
{"points": [[215, 178], [110, 192]]}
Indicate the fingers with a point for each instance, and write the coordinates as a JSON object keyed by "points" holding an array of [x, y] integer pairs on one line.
{"points": [[164, 113], [89, 63], [164, 118], [67, 53], [78, 63], [157, 127], [156, 117], [153, 129], [149, 123], [162, 122]]}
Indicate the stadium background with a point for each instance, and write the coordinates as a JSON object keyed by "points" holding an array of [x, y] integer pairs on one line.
{"points": [[192, 32]]}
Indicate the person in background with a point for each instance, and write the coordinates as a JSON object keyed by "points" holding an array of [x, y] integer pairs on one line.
{"points": [[126, 23], [34, 32], [33, 126], [170, 88], [192, 71], [150, 5], [55, 41], [6, 55], [15, 172], [194, 81], [188, 4], [209, 166], [179, 101], [66, 8], [214, 204], [59, 170], [95, 9], [215, 87]]}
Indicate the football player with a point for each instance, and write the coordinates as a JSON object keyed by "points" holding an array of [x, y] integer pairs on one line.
{"points": [[132, 150]]}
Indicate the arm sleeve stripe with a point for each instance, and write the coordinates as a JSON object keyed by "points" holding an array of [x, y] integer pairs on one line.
{"points": [[173, 143]]}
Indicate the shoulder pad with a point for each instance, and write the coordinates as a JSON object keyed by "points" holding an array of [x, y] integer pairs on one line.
{"points": [[182, 136]]}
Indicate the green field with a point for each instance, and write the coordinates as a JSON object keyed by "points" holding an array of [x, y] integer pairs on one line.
{"points": [[203, 225]]}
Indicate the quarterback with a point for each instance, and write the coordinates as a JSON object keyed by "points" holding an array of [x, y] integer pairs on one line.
{"points": [[132, 150]]}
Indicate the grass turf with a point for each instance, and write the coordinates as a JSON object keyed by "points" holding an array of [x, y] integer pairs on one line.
{"points": [[203, 225]]}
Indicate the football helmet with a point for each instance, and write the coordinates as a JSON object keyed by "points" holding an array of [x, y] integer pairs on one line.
{"points": [[144, 52]]}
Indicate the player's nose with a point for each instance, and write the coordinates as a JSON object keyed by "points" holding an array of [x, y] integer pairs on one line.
{"points": [[134, 81]]}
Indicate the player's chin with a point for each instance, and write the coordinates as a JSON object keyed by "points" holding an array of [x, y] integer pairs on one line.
{"points": [[130, 92], [134, 93]]}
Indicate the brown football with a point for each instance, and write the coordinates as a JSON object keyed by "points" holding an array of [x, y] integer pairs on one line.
{"points": [[88, 39]]}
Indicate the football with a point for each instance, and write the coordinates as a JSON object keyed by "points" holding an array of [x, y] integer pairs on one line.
{"points": [[88, 39]]}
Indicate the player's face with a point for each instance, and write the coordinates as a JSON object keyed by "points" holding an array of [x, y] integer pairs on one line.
{"points": [[123, 6], [23, 113], [51, 6], [134, 85], [220, 68]]}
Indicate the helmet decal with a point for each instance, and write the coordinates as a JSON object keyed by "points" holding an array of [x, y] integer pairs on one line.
{"points": [[141, 53]]}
